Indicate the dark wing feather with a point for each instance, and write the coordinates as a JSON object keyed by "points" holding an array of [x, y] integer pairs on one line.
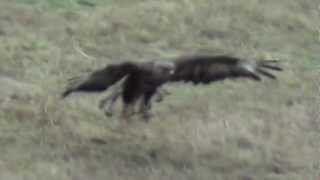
{"points": [[206, 69], [101, 79]]}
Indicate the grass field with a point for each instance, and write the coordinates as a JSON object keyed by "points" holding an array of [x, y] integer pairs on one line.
{"points": [[233, 130]]}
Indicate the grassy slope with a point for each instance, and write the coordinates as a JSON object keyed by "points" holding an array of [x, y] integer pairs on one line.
{"points": [[240, 130]]}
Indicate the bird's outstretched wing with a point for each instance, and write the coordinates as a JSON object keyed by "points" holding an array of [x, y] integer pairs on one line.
{"points": [[101, 79], [206, 69]]}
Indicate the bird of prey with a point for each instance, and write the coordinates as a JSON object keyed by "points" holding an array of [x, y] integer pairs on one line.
{"points": [[141, 81]]}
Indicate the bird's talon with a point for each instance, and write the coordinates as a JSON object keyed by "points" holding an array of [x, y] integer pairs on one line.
{"points": [[147, 116], [101, 105], [159, 99], [108, 113]]}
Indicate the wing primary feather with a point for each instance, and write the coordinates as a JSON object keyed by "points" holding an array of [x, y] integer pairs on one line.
{"points": [[271, 67], [265, 73], [254, 76], [269, 61]]}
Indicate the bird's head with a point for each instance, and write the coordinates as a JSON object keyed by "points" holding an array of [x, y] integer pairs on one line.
{"points": [[165, 68]]}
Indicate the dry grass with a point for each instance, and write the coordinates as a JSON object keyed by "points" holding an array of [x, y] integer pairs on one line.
{"points": [[232, 130]]}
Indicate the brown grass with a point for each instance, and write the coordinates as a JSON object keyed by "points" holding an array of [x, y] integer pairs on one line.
{"points": [[231, 130]]}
